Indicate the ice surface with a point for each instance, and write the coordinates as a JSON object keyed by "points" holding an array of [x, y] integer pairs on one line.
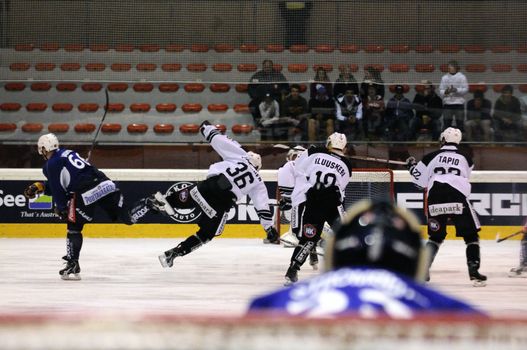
{"points": [[218, 279]]}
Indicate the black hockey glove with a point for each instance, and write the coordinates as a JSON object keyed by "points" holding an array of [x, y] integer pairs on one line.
{"points": [[410, 163], [62, 214], [32, 190], [285, 204], [272, 236], [202, 127]]}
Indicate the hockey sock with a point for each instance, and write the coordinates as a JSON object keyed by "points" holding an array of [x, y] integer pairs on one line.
{"points": [[74, 244], [301, 253], [473, 257], [190, 244], [523, 251], [433, 248]]}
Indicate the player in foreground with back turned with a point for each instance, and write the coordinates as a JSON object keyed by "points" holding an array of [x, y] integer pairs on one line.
{"points": [[77, 188], [521, 270], [227, 181], [445, 175], [374, 267], [323, 174]]}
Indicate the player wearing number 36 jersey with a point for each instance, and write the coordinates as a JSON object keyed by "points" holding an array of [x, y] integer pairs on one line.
{"points": [[445, 176], [227, 181]]}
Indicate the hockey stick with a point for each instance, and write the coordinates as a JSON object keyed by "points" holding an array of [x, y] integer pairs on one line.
{"points": [[100, 124], [380, 160], [498, 239]]}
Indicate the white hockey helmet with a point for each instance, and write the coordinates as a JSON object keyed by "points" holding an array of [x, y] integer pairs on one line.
{"points": [[255, 159], [47, 143], [294, 152], [336, 143], [451, 135]]}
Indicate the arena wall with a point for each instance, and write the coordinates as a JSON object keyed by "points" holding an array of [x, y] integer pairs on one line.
{"points": [[499, 198]]}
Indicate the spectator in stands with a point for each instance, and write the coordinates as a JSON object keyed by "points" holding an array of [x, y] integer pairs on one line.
{"points": [[372, 75], [478, 125], [452, 89], [295, 15], [373, 114], [397, 117], [266, 81], [507, 117], [295, 107], [428, 108], [345, 81], [270, 125], [321, 77], [322, 120], [348, 112]]}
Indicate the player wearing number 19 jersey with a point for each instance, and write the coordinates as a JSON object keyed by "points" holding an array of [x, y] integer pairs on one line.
{"points": [[227, 181], [445, 176]]}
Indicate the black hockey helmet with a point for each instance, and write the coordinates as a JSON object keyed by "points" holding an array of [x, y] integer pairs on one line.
{"points": [[377, 234]]}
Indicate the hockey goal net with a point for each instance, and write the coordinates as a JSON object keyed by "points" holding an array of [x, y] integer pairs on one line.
{"points": [[92, 331], [371, 183]]}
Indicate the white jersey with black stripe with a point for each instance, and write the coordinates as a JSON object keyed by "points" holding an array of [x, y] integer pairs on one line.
{"points": [[446, 165]]}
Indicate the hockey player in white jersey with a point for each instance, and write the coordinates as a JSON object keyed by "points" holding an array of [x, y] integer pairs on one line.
{"points": [[227, 182], [445, 176], [323, 174]]}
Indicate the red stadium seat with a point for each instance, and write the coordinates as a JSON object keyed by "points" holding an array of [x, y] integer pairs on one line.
{"points": [[522, 48], [222, 67], [241, 108], [217, 107], [498, 87], [324, 48], [70, 67], [501, 49], [194, 87], [10, 106], [247, 67], [41, 86], [88, 107], [49, 47], [115, 107], [424, 49], [449, 48], [62, 107], [523, 88], [121, 67], [15, 86], [199, 48], [111, 128], [143, 87], [349, 48], [192, 107], [196, 67], [163, 128], [24, 47], [223, 48], [95, 67], [45, 66], [117, 87], [476, 68], [146, 67], [299, 48], [140, 107], [303, 87], [474, 49], [91, 87], [32, 127], [398, 68], [424, 68], [522, 68], [36, 107], [66, 87], [374, 48], [58, 128], [399, 48], [74, 47], [137, 128], [7, 127], [19, 66], [249, 48], [85, 128], [443, 68], [189, 128], [477, 87], [99, 47], [171, 67], [165, 107], [242, 88], [149, 48], [175, 48], [221, 127], [124, 48], [242, 128], [326, 66], [297, 67], [274, 48], [168, 87], [501, 68], [219, 87]]}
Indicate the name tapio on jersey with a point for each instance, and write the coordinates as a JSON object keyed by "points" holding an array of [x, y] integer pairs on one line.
{"points": [[449, 160]]}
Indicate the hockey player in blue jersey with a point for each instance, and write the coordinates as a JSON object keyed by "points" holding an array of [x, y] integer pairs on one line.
{"points": [[374, 262], [77, 188]]}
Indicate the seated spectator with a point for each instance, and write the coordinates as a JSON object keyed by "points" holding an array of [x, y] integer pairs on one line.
{"points": [[478, 124], [507, 117], [269, 125], [373, 113], [321, 77], [372, 76], [349, 115], [428, 107], [295, 107], [266, 81], [397, 117], [322, 110], [345, 81]]}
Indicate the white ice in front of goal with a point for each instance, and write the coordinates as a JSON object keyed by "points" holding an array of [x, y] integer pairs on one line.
{"points": [[124, 275]]}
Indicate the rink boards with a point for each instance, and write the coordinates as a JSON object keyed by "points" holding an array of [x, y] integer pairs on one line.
{"points": [[499, 199]]}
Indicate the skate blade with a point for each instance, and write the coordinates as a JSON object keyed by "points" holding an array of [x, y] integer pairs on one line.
{"points": [[517, 275], [163, 260], [288, 282], [71, 277], [478, 283], [314, 266]]}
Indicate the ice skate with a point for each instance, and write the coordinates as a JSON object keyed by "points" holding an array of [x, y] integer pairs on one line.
{"points": [[167, 258], [313, 259], [272, 237], [291, 276], [159, 203], [518, 272], [289, 240], [477, 279], [72, 270]]}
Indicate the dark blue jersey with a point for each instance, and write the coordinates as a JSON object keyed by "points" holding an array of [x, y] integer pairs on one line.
{"points": [[68, 172], [359, 291]]}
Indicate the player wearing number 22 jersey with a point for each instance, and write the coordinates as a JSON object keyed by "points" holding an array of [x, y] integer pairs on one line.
{"points": [[227, 181]]}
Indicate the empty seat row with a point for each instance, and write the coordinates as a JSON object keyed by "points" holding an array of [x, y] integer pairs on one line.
{"points": [[115, 128], [253, 67], [276, 48], [119, 107]]}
